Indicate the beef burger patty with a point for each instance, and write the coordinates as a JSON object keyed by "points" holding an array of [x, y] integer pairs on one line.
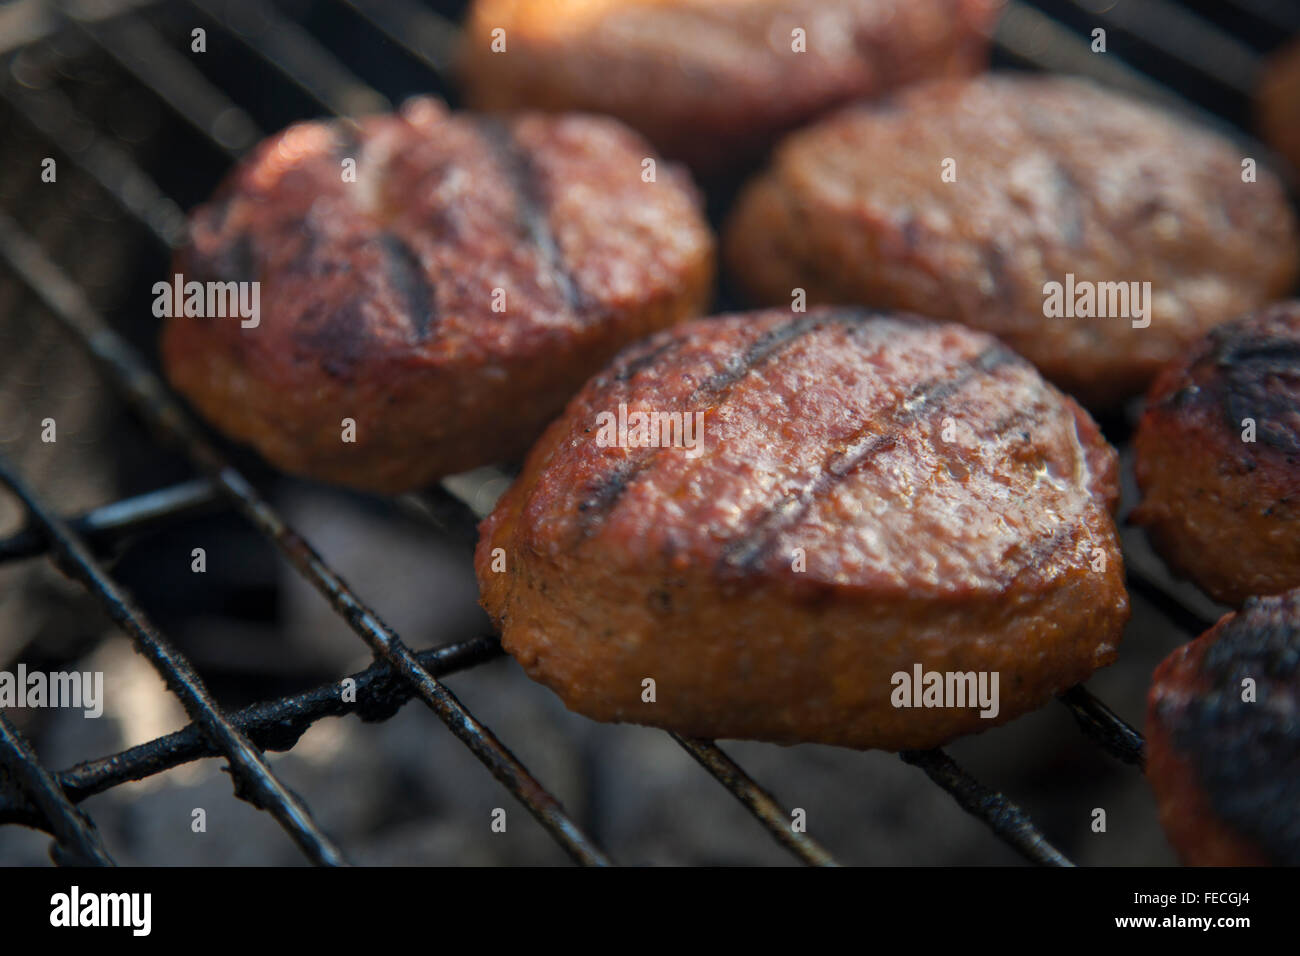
{"points": [[443, 281], [1223, 740], [965, 200], [1218, 458], [714, 82], [837, 498]]}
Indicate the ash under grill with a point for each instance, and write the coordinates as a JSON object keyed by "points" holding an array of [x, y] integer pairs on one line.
{"points": [[119, 62]]}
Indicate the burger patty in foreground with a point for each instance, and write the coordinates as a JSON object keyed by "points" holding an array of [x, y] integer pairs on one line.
{"points": [[1218, 458], [713, 82], [854, 496], [446, 298], [968, 200], [1223, 739]]}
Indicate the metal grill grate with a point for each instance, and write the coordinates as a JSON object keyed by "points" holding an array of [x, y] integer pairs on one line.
{"points": [[32, 795]]}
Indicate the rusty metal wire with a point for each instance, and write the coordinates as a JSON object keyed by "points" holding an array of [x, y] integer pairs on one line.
{"points": [[255, 781]]}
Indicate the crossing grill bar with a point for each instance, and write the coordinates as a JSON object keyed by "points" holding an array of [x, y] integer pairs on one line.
{"points": [[1203, 68]]}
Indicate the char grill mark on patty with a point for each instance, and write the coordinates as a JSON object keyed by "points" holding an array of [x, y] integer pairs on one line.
{"points": [[306, 260], [1247, 754], [1247, 373], [628, 369], [719, 384], [744, 555], [1069, 202], [994, 260], [338, 339], [603, 495], [411, 283], [1022, 419], [530, 201], [1261, 380]]}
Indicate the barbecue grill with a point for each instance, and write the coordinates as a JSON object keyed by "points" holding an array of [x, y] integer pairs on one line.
{"points": [[1197, 57]]}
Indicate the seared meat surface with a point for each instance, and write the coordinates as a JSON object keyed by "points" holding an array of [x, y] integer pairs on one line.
{"points": [[865, 493], [964, 200], [1223, 741], [448, 298], [714, 82], [1218, 458]]}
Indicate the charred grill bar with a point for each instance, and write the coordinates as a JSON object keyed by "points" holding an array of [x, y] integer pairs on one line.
{"points": [[32, 795]]}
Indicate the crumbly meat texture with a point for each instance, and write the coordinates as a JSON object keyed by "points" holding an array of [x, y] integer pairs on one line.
{"points": [[1221, 509], [1053, 177], [1226, 771], [448, 301], [1277, 103], [872, 492], [713, 82]]}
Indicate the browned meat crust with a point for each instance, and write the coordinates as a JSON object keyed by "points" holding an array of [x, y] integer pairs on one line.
{"points": [[1222, 510], [1226, 771], [378, 296], [715, 82], [1054, 177], [825, 442], [1278, 102]]}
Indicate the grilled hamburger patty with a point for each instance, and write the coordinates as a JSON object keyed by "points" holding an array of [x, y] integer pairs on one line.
{"points": [[713, 82], [1226, 771], [823, 536], [1223, 510], [1278, 102], [1054, 178], [449, 301]]}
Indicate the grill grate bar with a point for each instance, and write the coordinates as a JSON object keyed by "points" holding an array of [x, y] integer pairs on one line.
{"points": [[1004, 818], [1105, 727], [758, 801], [143, 390], [1032, 37], [271, 725], [143, 53], [297, 54], [114, 521], [1185, 36], [426, 36], [255, 780], [25, 22], [52, 113], [77, 840]]}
